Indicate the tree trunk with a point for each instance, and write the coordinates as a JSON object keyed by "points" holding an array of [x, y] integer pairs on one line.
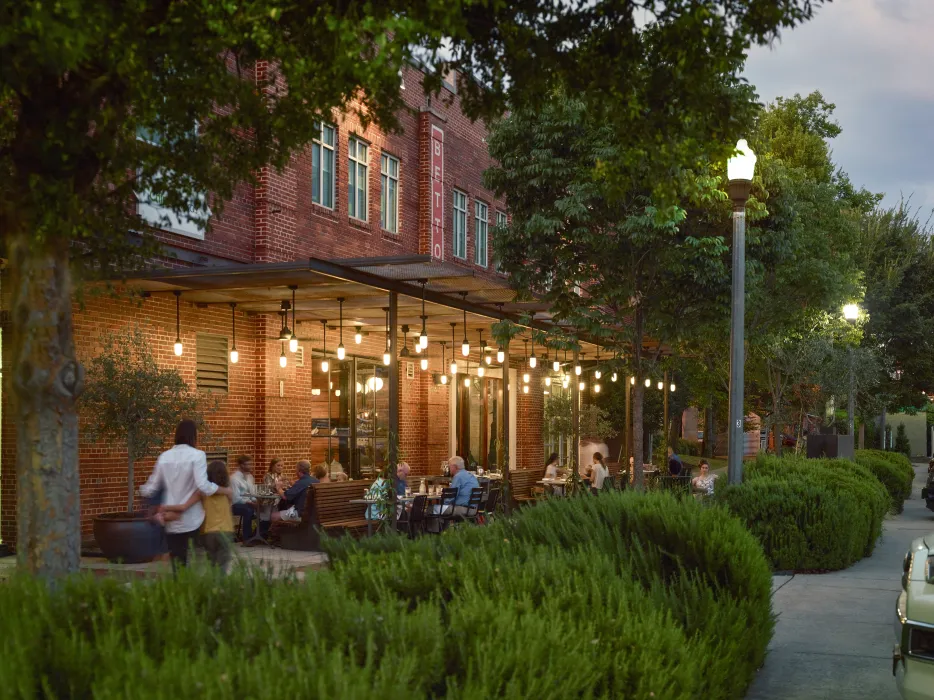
{"points": [[882, 441], [46, 382], [777, 438]]}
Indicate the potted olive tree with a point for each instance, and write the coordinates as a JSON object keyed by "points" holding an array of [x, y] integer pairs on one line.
{"points": [[129, 399]]}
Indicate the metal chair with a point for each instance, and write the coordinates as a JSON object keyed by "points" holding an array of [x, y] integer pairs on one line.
{"points": [[473, 506], [492, 501], [416, 517], [442, 519]]}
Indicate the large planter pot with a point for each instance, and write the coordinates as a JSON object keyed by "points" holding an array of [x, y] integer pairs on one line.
{"points": [[130, 538]]}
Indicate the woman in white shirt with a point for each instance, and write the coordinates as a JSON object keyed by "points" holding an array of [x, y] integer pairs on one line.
{"points": [[599, 472], [551, 466], [181, 472]]}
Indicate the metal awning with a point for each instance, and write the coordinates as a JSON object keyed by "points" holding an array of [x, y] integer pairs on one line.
{"points": [[364, 283]]}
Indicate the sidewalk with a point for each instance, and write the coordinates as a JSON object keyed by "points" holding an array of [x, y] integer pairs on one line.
{"points": [[834, 635]]}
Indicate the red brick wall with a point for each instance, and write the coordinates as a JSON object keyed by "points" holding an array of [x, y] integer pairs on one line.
{"points": [[529, 416]]}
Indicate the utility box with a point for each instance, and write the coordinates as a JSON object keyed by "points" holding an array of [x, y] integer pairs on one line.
{"points": [[830, 446]]}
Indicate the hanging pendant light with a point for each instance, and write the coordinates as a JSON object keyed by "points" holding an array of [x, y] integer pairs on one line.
{"points": [[324, 359], [284, 333], [293, 340], [178, 324], [547, 381], [358, 336], [453, 343], [661, 386], [444, 355], [648, 382], [341, 353], [525, 389], [465, 346], [315, 391], [423, 338], [597, 373], [481, 371], [533, 361], [526, 378], [387, 358], [501, 355], [556, 365], [282, 359], [577, 367], [632, 380], [467, 376], [596, 388], [613, 377], [582, 386], [234, 355], [424, 363], [672, 387], [525, 352], [405, 347]]}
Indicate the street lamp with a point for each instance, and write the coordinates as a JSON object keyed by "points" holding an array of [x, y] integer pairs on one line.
{"points": [[740, 169], [851, 314]]}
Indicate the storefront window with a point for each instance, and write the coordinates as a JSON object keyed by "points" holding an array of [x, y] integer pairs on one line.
{"points": [[479, 420], [371, 394]]}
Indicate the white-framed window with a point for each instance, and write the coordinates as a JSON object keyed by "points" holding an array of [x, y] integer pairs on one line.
{"points": [[322, 165], [501, 222], [359, 153], [481, 229], [389, 193], [460, 225]]}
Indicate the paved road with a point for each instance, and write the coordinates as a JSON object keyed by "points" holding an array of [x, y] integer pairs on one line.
{"points": [[834, 635]]}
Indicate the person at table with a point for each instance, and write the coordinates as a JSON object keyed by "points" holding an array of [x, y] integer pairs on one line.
{"points": [[551, 466], [294, 497], [586, 472], [599, 472], [704, 482], [321, 473], [181, 472], [244, 490], [402, 473], [675, 465], [274, 481], [462, 480]]}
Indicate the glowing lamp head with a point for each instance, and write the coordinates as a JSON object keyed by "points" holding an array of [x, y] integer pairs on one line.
{"points": [[488, 359], [526, 378], [467, 381], [337, 392], [547, 381], [386, 358], [293, 344], [597, 374], [533, 361], [525, 389], [648, 383], [632, 380], [480, 370], [577, 370], [453, 368], [234, 356], [358, 336], [283, 361], [423, 340], [555, 366], [582, 386], [418, 347], [851, 312], [444, 379], [325, 365], [341, 353], [465, 349], [613, 377], [596, 388], [500, 355], [742, 165], [178, 347], [672, 387], [424, 363], [359, 387], [661, 385]]}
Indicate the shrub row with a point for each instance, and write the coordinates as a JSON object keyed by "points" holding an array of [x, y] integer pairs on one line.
{"points": [[619, 595], [893, 470], [810, 514]]}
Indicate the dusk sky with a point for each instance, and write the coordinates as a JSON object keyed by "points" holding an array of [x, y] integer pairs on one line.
{"points": [[874, 59]]}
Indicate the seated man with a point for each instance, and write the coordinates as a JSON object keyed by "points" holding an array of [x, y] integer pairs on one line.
{"points": [[462, 480], [293, 498], [675, 465], [244, 494]]}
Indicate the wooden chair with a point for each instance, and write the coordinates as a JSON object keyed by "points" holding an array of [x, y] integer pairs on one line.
{"points": [[521, 482], [327, 507]]}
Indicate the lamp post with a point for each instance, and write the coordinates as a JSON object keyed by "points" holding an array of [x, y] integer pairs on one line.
{"points": [[851, 314], [740, 169]]}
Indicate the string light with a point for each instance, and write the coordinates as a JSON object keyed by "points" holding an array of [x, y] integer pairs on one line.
{"points": [[234, 355], [648, 382], [282, 359], [324, 360], [613, 377], [423, 338], [465, 346], [661, 385], [453, 344], [533, 361], [444, 377], [341, 353], [358, 336], [596, 388]]}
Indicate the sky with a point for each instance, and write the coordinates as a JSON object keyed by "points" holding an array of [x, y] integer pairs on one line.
{"points": [[874, 59]]}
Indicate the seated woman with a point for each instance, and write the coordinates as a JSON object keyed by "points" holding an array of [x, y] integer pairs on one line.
{"points": [[379, 491], [599, 472], [704, 483], [551, 466]]}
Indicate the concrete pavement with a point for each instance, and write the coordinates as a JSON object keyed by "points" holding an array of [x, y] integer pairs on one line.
{"points": [[834, 635]]}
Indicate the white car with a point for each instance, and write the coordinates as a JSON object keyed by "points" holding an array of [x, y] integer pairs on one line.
{"points": [[913, 657]]}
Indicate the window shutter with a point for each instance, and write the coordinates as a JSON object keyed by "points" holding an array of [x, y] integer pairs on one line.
{"points": [[211, 371]]}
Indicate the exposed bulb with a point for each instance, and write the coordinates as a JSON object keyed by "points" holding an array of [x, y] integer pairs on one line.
{"points": [[178, 347], [337, 392], [632, 380], [566, 382], [386, 358], [481, 370], [582, 386], [525, 378], [316, 392], [596, 388], [424, 363], [547, 381], [453, 368], [234, 356], [533, 361], [672, 387], [358, 337], [293, 344], [648, 383], [423, 340], [418, 347], [613, 377], [324, 365], [500, 355], [577, 370], [597, 374], [661, 385], [341, 353], [488, 359], [465, 349], [282, 360], [359, 387], [555, 366], [525, 389], [444, 379], [467, 382]]}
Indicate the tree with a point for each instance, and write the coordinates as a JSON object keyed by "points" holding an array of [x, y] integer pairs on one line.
{"points": [[130, 399], [181, 101]]}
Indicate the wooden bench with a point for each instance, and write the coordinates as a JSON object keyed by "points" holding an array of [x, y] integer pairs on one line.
{"points": [[327, 507], [521, 483]]}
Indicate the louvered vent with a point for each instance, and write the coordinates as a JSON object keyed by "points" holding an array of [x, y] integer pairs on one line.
{"points": [[212, 363], [216, 454]]}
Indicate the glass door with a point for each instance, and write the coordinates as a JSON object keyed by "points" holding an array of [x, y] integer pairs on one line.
{"points": [[371, 408], [478, 421]]}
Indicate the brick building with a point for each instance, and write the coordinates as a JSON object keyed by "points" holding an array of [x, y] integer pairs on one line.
{"points": [[374, 212]]}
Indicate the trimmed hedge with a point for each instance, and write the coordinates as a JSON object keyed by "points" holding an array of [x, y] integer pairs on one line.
{"points": [[810, 514], [618, 595], [893, 470]]}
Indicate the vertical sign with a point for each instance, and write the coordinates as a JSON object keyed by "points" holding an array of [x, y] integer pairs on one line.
{"points": [[437, 193]]}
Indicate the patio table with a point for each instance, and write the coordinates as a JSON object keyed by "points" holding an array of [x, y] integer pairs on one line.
{"points": [[265, 503]]}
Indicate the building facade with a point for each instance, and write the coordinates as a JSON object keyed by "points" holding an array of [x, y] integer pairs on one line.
{"points": [[356, 193]]}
